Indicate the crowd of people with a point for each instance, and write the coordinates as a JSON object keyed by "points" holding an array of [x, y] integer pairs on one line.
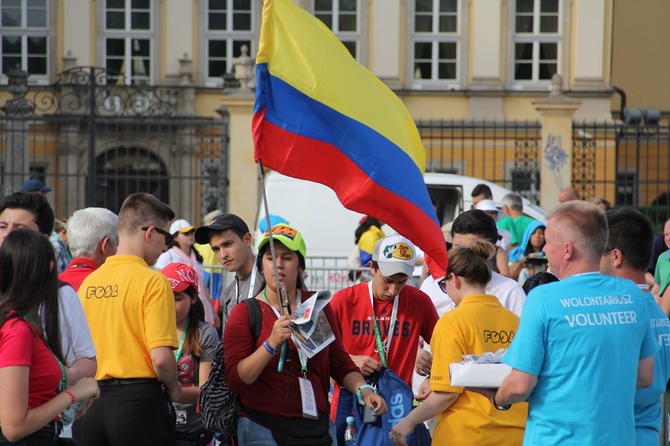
{"points": [[109, 325]]}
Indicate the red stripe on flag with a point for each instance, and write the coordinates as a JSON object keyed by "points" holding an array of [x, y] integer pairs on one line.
{"points": [[314, 160]]}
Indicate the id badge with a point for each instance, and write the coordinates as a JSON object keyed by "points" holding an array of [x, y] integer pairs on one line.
{"points": [[308, 401], [181, 416]]}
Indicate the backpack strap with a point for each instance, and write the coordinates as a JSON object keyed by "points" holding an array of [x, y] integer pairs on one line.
{"points": [[255, 317]]}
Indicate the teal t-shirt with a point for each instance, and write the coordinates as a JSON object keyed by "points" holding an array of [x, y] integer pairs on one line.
{"points": [[648, 400], [516, 227], [662, 272], [583, 338]]}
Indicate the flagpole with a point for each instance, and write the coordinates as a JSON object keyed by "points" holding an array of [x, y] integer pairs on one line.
{"points": [[281, 291]]}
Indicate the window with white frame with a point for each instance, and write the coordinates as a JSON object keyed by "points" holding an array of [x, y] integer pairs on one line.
{"points": [[128, 41], [25, 37], [435, 41], [536, 40], [230, 27], [343, 18]]}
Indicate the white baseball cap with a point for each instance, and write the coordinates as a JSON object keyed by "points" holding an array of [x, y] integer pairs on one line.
{"points": [[395, 255], [181, 226], [487, 205]]}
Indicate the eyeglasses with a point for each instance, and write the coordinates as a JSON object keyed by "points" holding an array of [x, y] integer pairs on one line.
{"points": [[442, 283], [168, 237]]}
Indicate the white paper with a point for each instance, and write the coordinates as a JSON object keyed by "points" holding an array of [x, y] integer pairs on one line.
{"points": [[478, 375]]}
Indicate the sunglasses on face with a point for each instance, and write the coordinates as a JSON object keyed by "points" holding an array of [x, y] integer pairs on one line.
{"points": [[443, 282], [168, 237]]}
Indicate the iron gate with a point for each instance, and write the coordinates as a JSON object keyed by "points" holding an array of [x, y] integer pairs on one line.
{"points": [[94, 142]]}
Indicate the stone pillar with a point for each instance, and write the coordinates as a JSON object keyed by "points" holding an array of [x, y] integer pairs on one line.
{"points": [[242, 170], [186, 92], [16, 159], [556, 112]]}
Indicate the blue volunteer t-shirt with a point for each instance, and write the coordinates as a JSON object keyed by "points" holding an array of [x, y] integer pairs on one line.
{"points": [[648, 400], [583, 338]]}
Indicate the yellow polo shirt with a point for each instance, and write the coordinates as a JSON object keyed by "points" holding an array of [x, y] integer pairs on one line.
{"points": [[130, 310], [479, 324]]}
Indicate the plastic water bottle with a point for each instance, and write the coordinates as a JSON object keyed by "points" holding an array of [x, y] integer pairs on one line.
{"points": [[350, 433]]}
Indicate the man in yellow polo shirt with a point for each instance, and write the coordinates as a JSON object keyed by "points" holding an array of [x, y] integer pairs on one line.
{"points": [[130, 309]]}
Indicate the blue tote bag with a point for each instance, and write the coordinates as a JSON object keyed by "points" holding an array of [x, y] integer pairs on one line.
{"points": [[399, 398]]}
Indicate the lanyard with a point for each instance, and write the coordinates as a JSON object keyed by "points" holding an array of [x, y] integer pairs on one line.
{"points": [[62, 385], [177, 354], [301, 355], [383, 352], [252, 282]]}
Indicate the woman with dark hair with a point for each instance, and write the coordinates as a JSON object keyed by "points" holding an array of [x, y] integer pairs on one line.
{"points": [[478, 324], [194, 355], [291, 403], [33, 390], [182, 250], [528, 258]]}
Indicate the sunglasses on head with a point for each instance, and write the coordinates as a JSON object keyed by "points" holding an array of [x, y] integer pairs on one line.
{"points": [[168, 237]]}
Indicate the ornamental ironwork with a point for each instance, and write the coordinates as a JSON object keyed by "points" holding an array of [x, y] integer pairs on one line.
{"points": [[89, 91]]}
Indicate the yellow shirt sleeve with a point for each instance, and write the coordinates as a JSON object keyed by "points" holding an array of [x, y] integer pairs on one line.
{"points": [[159, 315], [448, 347]]}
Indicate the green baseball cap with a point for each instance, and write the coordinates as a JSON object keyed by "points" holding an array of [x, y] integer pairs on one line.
{"points": [[287, 236]]}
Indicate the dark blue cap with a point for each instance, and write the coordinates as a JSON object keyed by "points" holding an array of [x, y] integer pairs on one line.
{"points": [[34, 185]]}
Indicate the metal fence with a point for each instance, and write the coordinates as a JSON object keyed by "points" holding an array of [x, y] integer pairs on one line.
{"points": [[628, 165], [322, 273], [95, 142]]}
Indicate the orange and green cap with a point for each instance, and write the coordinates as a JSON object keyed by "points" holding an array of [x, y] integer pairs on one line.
{"points": [[287, 236]]}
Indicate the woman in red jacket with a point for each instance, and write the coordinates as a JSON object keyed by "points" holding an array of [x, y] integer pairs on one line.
{"points": [[279, 408]]}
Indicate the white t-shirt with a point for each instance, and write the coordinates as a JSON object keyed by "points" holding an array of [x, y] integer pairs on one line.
{"points": [[505, 238], [76, 340]]}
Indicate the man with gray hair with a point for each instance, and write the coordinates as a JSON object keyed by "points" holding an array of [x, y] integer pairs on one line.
{"points": [[93, 236], [514, 221]]}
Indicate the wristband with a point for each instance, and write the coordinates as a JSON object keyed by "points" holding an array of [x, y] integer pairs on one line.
{"points": [[498, 406], [359, 393], [71, 395], [269, 348]]}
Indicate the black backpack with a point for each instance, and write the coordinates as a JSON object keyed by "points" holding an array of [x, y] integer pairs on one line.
{"points": [[219, 406]]}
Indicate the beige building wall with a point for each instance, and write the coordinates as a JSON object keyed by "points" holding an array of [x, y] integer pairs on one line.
{"points": [[641, 56], [588, 49], [77, 32], [177, 44], [485, 47], [385, 25]]}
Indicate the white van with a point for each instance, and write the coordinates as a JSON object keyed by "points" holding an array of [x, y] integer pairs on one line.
{"points": [[328, 227]]}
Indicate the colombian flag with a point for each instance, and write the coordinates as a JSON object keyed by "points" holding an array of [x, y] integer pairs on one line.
{"points": [[321, 116]]}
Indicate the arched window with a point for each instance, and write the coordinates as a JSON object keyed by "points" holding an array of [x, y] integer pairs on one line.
{"points": [[122, 171]]}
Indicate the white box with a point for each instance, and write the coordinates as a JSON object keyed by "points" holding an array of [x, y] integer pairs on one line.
{"points": [[478, 375]]}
